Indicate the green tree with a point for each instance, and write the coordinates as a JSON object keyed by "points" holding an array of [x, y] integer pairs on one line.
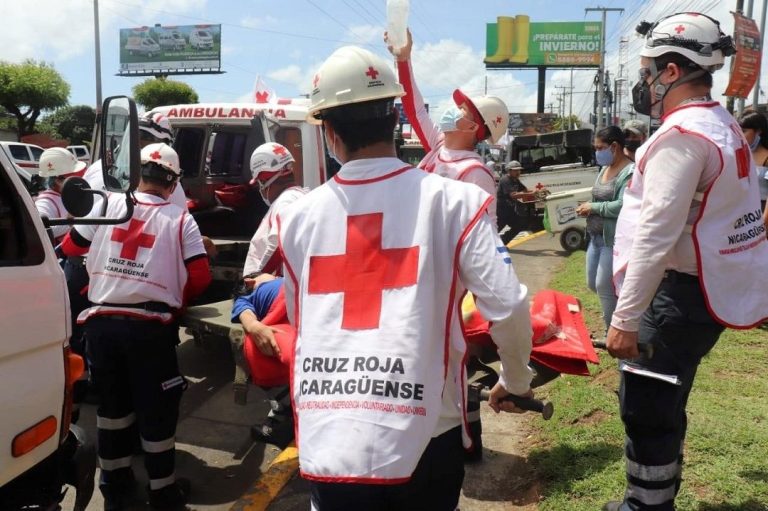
{"points": [[562, 123], [74, 123], [29, 88], [161, 91]]}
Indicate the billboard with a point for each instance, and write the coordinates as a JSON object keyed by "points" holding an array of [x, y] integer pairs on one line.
{"points": [[746, 63], [531, 123], [173, 49], [513, 41]]}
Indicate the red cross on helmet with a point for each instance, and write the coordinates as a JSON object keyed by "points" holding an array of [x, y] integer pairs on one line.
{"points": [[163, 155], [351, 75], [693, 35], [489, 111], [59, 162], [270, 161]]}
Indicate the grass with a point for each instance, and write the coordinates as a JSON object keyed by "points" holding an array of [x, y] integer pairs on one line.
{"points": [[578, 457]]}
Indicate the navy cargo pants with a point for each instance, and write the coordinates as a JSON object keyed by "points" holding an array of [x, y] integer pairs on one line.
{"points": [[136, 373], [682, 331]]}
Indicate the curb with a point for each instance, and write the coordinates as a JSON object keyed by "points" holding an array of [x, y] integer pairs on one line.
{"points": [[259, 496], [520, 241]]}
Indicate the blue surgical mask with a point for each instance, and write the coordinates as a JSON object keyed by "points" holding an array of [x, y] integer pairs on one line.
{"points": [[755, 143], [449, 119], [604, 157]]}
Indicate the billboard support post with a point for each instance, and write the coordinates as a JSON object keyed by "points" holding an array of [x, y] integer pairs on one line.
{"points": [[542, 85]]}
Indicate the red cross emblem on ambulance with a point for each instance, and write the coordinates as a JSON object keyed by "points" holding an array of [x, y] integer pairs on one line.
{"points": [[364, 272], [133, 238]]}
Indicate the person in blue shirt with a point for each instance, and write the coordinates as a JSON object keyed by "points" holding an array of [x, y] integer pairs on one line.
{"points": [[266, 300]]}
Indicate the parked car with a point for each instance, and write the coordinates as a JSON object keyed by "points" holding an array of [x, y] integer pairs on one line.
{"points": [[24, 155], [24, 159], [81, 152], [201, 39]]}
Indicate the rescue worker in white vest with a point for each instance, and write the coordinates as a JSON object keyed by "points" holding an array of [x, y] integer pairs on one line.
{"points": [[272, 171], [375, 261], [142, 272], [450, 145], [153, 129], [57, 164], [690, 246]]}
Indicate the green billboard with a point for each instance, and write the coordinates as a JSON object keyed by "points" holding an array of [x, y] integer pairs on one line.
{"points": [[513, 41], [176, 49]]}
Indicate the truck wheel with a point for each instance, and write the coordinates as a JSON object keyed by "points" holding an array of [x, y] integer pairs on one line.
{"points": [[572, 239]]}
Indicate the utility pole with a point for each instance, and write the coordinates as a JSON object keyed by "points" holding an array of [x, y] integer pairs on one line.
{"points": [[570, 104], [98, 55], [563, 91], [730, 102], [600, 92]]}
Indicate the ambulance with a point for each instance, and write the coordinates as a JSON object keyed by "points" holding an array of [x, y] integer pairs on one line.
{"points": [[214, 142]]}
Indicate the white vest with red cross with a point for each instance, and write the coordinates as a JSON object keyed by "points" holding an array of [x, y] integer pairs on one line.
{"points": [[466, 166], [728, 235], [138, 261], [372, 287], [49, 204]]}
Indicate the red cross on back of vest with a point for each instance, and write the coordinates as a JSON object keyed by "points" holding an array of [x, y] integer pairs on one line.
{"points": [[132, 239], [363, 272]]}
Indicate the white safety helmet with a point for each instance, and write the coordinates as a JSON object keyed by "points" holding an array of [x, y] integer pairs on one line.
{"points": [[270, 161], [490, 109], [157, 125], [164, 156], [352, 75], [693, 35], [59, 162]]}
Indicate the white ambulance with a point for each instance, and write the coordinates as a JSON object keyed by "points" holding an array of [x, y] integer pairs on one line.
{"points": [[215, 142]]}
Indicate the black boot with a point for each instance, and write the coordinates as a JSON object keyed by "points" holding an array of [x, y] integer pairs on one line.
{"points": [[117, 487], [276, 430], [173, 496]]}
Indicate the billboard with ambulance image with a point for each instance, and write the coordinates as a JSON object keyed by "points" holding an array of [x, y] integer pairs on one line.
{"points": [[158, 49]]}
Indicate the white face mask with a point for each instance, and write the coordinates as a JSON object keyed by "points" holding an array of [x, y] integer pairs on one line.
{"points": [[263, 193], [331, 152]]}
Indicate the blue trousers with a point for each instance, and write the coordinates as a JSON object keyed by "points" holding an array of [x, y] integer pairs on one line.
{"points": [[682, 331], [600, 275]]}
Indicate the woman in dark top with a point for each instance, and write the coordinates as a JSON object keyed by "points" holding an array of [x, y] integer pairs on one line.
{"points": [[602, 213], [755, 127]]}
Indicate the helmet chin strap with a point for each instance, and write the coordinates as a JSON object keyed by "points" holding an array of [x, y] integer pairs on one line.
{"points": [[687, 78]]}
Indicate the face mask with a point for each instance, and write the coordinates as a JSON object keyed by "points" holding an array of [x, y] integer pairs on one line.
{"points": [[604, 157], [633, 145], [641, 97], [263, 193], [449, 119], [329, 149], [755, 143]]}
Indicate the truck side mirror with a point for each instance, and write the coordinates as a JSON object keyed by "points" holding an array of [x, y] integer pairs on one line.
{"points": [[120, 156], [77, 196]]}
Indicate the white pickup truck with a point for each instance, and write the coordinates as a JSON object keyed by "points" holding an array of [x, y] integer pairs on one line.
{"points": [[40, 451]]}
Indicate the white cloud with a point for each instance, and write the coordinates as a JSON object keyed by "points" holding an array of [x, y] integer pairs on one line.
{"points": [[54, 30]]}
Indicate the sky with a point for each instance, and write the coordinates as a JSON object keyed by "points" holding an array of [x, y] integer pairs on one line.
{"points": [[285, 41]]}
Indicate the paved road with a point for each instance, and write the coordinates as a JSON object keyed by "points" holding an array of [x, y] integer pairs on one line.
{"points": [[215, 452]]}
